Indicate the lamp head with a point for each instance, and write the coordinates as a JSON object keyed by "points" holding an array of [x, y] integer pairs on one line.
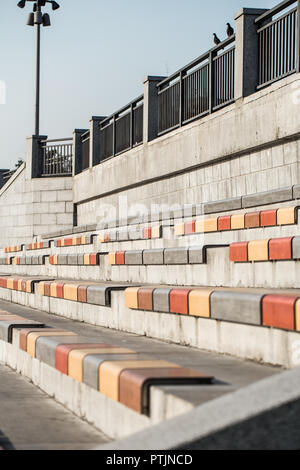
{"points": [[30, 20], [46, 20], [55, 6], [22, 4]]}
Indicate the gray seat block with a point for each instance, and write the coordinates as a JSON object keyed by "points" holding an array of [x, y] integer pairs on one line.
{"points": [[46, 346], [98, 295], [80, 260], [135, 234], [267, 197], [62, 259], [122, 235], [154, 257], [223, 205], [92, 363], [296, 248], [22, 260], [196, 255], [161, 299], [6, 327], [41, 259], [134, 257], [35, 260], [28, 260], [239, 307], [73, 260], [176, 256]]}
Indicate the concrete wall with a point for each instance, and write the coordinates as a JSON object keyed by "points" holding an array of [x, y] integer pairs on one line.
{"points": [[30, 207], [250, 146]]}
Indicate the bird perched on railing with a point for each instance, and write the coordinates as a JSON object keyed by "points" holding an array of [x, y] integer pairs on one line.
{"points": [[216, 40], [230, 30]]}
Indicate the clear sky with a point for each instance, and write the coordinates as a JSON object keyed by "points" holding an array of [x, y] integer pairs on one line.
{"points": [[95, 57]]}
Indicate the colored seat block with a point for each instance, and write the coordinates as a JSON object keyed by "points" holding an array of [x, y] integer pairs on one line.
{"points": [[258, 250], [71, 292], [297, 314], [199, 302], [145, 298], [55, 259], [51, 259], [63, 350], [147, 233], [109, 374], [278, 311], [94, 259], [236, 306], [179, 229], [112, 258], [156, 231], [252, 220], [280, 248], [77, 356], [179, 301], [268, 218], [206, 225], [190, 227], [120, 257], [286, 216], [32, 338], [7, 327], [47, 289], [224, 223], [86, 259], [238, 252], [131, 297], [135, 384], [161, 299], [24, 334], [82, 294]]}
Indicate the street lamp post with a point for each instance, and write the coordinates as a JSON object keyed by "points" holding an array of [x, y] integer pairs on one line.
{"points": [[38, 18]]}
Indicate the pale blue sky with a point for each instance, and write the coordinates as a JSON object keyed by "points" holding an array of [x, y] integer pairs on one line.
{"points": [[95, 56]]}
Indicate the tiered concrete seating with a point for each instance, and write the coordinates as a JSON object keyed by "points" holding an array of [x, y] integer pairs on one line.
{"points": [[274, 249]]}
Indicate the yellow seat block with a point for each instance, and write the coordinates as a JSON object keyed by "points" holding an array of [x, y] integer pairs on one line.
{"points": [[179, 229], [83, 240], [199, 302], [156, 232], [20, 284], [206, 225], [131, 297], [32, 338], [258, 250], [28, 286], [297, 312], [109, 374], [112, 258], [86, 259], [101, 238], [286, 216], [62, 243], [53, 291], [237, 221], [71, 292], [55, 259], [76, 357], [10, 283], [42, 288], [74, 241]]}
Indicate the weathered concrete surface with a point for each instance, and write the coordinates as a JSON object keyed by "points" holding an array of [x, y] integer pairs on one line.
{"points": [[30, 420], [264, 415]]}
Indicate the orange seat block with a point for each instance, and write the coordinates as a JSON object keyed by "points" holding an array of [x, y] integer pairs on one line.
{"points": [[179, 301]]}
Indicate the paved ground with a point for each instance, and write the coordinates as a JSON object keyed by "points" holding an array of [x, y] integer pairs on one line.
{"points": [[41, 423]]}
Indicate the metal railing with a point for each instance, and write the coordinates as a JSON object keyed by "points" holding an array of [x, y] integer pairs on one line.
{"points": [[57, 158], [122, 130], [203, 86], [85, 142], [278, 42]]}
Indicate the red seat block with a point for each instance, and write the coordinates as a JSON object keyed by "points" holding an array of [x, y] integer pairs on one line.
{"points": [[280, 248], [179, 301], [3, 282], [238, 252], [93, 259], [60, 290], [147, 233], [268, 218], [224, 223], [189, 227], [51, 259], [252, 220], [59, 242], [120, 257], [16, 282], [68, 241], [278, 311], [62, 353]]}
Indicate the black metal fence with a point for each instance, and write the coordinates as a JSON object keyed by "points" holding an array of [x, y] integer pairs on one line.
{"points": [[57, 157], [278, 42], [85, 142], [200, 88], [122, 130]]}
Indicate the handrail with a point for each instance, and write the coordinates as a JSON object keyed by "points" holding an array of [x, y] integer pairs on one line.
{"points": [[56, 140], [121, 110], [273, 11]]}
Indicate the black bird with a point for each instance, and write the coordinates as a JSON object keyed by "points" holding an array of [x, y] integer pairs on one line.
{"points": [[230, 30], [216, 40]]}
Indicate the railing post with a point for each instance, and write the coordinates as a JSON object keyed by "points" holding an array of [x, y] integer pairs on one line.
{"points": [[95, 140], [114, 136], [150, 118], [298, 39], [34, 158], [181, 99], [77, 150], [246, 51], [211, 93]]}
